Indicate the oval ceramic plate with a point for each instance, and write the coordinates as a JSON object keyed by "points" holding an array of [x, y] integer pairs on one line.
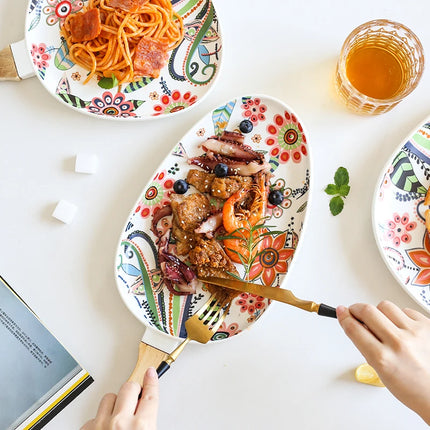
{"points": [[398, 214], [279, 134], [189, 75]]}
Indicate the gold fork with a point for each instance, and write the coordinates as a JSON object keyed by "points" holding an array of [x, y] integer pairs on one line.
{"points": [[200, 327]]}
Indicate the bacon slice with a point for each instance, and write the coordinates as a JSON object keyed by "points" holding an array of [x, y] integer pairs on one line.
{"points": [[128, 5], [150, 57], [85, 25]]}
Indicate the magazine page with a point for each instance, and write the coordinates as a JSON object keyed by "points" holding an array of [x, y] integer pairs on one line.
{"points": [[38, 376]]}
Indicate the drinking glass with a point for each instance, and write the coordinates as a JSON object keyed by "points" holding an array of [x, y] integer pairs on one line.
{"points": [[389, 62]]}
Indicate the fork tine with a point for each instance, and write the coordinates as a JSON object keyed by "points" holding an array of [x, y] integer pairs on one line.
{"points": [[220, 320], [213, 316], [200, 327], [206, 306]]}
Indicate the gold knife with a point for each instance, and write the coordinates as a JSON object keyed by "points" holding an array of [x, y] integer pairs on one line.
{"points": [[279, 294]]}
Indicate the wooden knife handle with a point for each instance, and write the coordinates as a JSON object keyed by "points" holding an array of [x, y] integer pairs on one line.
{"points": [[8, 70], [148, 357]]}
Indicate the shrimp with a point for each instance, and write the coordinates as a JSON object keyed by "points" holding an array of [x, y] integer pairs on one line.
{"points": [[238, 219], [235, 216]]}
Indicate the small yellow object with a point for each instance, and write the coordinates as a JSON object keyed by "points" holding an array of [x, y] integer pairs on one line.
{"points": [[367, 375]]}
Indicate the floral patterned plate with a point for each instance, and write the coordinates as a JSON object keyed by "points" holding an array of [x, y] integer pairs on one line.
{"points": [[279, 134], [191, 71], [398, 214]]}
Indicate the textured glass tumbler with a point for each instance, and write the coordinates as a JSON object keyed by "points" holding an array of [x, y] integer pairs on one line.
{"points": [[398, 42]]}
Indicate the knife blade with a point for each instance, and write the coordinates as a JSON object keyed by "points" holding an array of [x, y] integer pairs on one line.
{"points": [[278, 294]]}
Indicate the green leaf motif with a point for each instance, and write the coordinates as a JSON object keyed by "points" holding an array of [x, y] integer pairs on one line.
{"points": [[137, 103], [73, 100], [221, 117], [341, 177], [134, 86], [336, 205], [403, 175], [62, 59]]}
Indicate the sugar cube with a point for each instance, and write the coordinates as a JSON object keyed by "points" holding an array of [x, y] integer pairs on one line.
{"points": [[86, 163], [65, 211]]}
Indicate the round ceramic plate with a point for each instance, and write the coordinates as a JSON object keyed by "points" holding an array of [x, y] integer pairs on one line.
{"points": [[191, 71], [398, 214], [279, 134]]}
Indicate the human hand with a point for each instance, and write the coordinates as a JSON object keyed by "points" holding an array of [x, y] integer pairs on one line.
{"points": [[396, 343], [126, 411]]}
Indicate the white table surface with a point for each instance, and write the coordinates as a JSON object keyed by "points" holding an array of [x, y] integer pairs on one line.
{"points": [[292, 369]]}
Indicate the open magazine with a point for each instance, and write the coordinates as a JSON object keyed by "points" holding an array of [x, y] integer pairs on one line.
{"points": [[38, 377]]}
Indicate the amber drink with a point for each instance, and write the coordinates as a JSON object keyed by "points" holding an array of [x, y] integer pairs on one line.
{"points": [[380, 63]]}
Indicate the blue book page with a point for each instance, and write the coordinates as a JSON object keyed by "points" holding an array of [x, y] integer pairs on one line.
{"points": [[33, 364]]}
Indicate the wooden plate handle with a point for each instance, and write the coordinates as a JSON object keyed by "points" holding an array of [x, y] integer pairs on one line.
{"points": [[8, 70], [148, 357]]}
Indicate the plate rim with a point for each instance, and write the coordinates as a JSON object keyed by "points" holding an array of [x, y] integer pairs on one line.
{"points": [[305, 217], [374, 204]]}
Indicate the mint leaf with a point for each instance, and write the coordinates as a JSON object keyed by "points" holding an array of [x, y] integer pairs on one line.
{"points": [[108, 83], [344, 190], [332, 189], [341, 177], [336, 205]]}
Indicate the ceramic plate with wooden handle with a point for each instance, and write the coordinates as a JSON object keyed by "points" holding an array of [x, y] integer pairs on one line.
{"points": [[278, 134]]}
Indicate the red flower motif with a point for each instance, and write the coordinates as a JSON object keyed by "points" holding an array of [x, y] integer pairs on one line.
{"points": [[174, 102], [40, 56], [398, 229], [287, 138], [421, 258], [254, 110], [272, 260], [250, 303], [156, 195]]}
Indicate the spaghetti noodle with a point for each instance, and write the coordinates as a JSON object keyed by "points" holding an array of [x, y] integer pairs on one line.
{"points": [[132, 41]]}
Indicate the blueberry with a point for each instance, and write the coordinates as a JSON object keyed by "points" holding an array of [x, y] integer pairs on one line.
{"points": [[276, 197], [246, 126], [221, 170], [180, 186]]}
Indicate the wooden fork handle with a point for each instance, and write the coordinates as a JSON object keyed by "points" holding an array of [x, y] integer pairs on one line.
{"points": [[149, 356]]}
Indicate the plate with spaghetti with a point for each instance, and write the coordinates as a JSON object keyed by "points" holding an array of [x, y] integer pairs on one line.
{"points": [[125, 59]]}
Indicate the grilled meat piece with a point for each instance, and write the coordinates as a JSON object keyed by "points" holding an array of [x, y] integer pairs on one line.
{"points": [[222, 188], [189, 212], [201, 180], [185, 240], [210, 259]]}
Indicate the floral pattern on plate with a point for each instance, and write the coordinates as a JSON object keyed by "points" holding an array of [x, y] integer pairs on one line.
{"points": [[138, 273], [398, 215], [191, 71]]}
